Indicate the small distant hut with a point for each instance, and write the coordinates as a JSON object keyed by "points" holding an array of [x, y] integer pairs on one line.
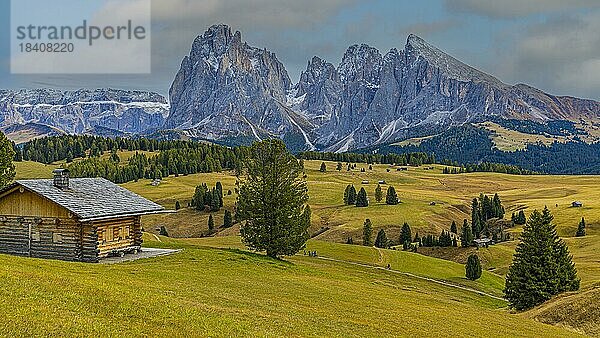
{"points": [[382, 182], [577, 204], [365, 182], [483, 242], [80, 219]]}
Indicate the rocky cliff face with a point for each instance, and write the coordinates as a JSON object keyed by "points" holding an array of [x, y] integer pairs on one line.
{"points": [[128, 112], [226, 88]]}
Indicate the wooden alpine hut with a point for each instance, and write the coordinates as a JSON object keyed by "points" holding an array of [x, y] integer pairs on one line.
{"points": [[73, 219]]}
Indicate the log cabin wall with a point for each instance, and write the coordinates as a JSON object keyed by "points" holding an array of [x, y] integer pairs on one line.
{"points": [[34, 226], [41, 237], [117, 233]]}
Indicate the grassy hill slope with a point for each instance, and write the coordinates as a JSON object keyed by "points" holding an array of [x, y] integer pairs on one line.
{"points": [[228, 292]]}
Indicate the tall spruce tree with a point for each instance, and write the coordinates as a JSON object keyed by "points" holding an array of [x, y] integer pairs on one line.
{"points": [[227, 219], [542, 266], [381, 241], [368, 233], [581, 228], [521, 218], [453, 228], [473, 267], [476, 218], [466, 235], [352, 196], [391, 197], [378, 193], [211, 223], [361, 199], [405, 234], [346, 194], [272, 200], [7, 155]]}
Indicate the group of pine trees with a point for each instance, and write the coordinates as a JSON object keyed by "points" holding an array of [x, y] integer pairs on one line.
{"points": [[205, 198], [446, 239], [173, 157], [483, 209], [519, 218], [486, 167], [360, 199], [414, 159]]}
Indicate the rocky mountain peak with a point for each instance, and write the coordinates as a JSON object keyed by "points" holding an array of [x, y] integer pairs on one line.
{"points": [[360, 62]]}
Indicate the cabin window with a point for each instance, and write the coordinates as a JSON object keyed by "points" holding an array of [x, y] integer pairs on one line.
{"points": [[57, 238], [118, 233], [108, 235]]}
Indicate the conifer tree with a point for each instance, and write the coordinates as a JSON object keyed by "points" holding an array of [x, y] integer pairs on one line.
{"points": [[476, 218], [466, 236], [391, 197], [177, 205], [323, 167], [346, 194], [227, 219], [381, 241], [7, 155], [542, 266], [352, 196], [453, 228], [215, 201], [211, 223], [581, 228], [405, 234], [521, 218], [368, 233], [473, 267], [417, 239], [272, 200], [378, 194], [361, 199], [339, 166]]}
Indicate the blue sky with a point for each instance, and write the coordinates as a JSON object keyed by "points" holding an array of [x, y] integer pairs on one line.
{"points": [[550, 44]]}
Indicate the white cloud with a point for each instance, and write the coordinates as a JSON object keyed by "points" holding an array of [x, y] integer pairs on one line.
{"points": [[561, 55], [517, 8]]}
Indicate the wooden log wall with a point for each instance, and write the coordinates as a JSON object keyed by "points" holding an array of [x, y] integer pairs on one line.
{"points": [[40, 237], [115, 234]]}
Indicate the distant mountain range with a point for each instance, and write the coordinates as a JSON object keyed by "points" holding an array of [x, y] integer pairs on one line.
{"points": [[232, 93], [27, 114], [229, 91]]}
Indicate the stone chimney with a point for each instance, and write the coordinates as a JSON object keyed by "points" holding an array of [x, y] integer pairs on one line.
{"points": [[61, 178]]}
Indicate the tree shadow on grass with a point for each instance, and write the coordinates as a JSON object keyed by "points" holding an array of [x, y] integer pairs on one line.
{"points": [[243, 255]]}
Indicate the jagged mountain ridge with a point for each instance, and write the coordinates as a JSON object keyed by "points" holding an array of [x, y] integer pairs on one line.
{"points": [[228, 89], [81, 111]]}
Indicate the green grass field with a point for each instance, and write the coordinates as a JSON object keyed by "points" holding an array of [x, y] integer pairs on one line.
{"points": [[206, 291], [417, 188], [230, 292]]}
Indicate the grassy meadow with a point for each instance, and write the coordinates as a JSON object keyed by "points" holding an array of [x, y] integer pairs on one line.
{"points": [[216, 288], [208, 291]]}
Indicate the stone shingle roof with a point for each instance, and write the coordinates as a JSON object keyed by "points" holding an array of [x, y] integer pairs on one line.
{"points": [[91, 198]]}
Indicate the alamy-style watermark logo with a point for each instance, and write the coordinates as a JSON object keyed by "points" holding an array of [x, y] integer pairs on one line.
{"points": [[80, 37]]}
